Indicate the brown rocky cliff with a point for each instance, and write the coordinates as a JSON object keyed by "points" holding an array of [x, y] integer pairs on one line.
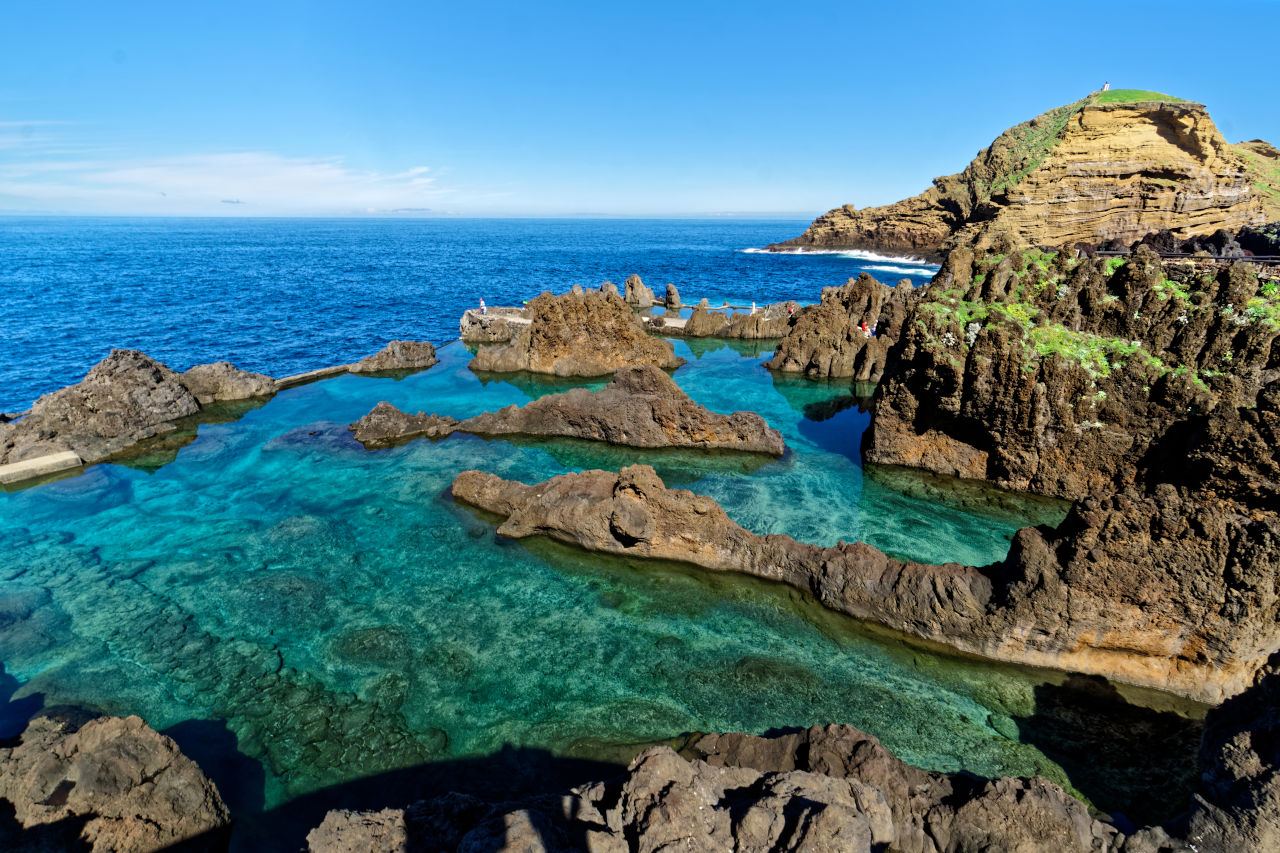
{"points": [[1084, 172]]}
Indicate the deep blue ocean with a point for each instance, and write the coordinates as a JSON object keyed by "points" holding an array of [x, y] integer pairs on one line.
{"points": [[318, 625], [280, 296]]}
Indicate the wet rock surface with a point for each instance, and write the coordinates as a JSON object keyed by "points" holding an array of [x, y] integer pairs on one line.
{"points": [[641, 407], [125, 399], [397, 357], [848, 334], [592, 334], [111, 784]]}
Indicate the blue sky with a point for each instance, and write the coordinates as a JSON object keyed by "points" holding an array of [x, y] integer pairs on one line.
{"points": [[553, 109]]}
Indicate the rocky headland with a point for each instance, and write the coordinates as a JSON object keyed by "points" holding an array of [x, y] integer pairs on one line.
{"points": [[110, 785], [592, 333], [1116, 165], [642, 407]]}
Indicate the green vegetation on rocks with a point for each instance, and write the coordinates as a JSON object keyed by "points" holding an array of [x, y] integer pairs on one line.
{"points": [[1134, 96]]}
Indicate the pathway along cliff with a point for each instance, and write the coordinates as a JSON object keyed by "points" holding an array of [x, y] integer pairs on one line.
{"points": [[1115, 165]]}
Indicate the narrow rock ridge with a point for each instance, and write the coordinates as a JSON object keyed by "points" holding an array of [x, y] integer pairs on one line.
{"points": [[589, 334], [1065, 599], [642, 407], [1087, 171], [111, 785], [829, 340]]}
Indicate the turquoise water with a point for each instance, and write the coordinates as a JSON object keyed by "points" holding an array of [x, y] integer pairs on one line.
{"points": [[343, 617]]}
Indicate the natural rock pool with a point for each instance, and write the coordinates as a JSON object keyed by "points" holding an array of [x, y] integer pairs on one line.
{"points": [[331, 614]]}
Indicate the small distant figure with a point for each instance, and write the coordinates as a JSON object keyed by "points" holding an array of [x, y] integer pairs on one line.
{"points": [[483, 308], [866, 333], [791, 309], [873, 330], [1106, 85], [753, 306]]}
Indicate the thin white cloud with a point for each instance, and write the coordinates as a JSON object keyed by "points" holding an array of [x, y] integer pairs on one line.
{"points": [[265, 183]]}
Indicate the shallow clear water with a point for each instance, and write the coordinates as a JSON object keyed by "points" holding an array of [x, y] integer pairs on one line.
{"points": [[299, 613], [276, 572]]}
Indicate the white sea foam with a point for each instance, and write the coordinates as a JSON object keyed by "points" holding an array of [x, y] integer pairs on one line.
{"points": [[856, 255], [901, 270]]}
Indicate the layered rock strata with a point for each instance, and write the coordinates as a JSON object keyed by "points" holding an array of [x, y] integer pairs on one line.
{"points": [[848, 334], [591, 334], [641, 407], [111, 785], [125, 399], [1070, 599], [398, 357], [1087, 171]]}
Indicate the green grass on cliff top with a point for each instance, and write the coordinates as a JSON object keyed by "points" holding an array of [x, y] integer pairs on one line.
{"points": [[1133, 96]]}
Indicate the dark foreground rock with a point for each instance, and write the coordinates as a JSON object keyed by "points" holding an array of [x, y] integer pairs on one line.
{"points": [[125, 399], [826, 788], [398, 356], [1088, 597], [588, 334], [828, 340], [641, 407], [112, 784]]}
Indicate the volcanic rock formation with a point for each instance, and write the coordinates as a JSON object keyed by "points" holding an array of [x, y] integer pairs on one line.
{"points": [[637, 294], [591, 334], [111, 785], [828, 340], [1088, 171], [641, 407], [126, 398], [837, 788], [398, 356], [1083, 598]]}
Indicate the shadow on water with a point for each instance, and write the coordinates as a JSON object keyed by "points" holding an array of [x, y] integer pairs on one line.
{"points": [[745, 348], [1136, 762], [535, 385], [15, 713], [511, 773], [210, 744], [973, 496]]}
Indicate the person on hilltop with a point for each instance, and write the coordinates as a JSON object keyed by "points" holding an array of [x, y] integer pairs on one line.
{"points": [[483, 308], [1106, 85]]}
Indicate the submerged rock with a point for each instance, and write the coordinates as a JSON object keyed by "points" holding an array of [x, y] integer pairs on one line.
{"points": [[1089, 597], [398, 356], [126, 398], [589, 335], [111, 785], [641, 407], [828, 340]]}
